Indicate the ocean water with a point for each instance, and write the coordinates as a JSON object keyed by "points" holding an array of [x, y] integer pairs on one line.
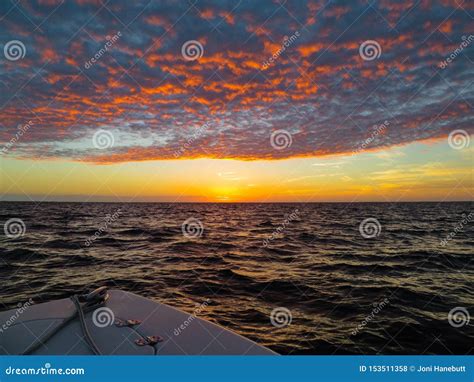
{"points": [[334, 286]]}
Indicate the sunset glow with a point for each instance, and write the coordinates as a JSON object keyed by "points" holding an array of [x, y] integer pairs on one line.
{"points": [[279, 103]]}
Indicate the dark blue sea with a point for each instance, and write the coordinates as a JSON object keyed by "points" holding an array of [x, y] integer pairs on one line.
{"points": [[327, 278]]}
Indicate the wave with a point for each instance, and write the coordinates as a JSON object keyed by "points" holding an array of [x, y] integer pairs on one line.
{"points": [[319, 267]]}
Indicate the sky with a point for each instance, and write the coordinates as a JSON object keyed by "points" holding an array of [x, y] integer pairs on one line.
{"points": [[236, 101]]}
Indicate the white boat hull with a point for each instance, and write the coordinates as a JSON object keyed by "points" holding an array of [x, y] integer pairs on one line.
{"points": [[179, 332]]}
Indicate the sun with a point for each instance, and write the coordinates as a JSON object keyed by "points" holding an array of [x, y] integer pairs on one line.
{"points": [[226, 193]]}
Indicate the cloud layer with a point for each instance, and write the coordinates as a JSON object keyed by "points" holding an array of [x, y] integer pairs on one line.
{"points": [[264, 66]]}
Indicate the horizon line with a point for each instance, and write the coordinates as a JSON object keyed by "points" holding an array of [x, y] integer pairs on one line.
{"points": [[235, 202]]}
